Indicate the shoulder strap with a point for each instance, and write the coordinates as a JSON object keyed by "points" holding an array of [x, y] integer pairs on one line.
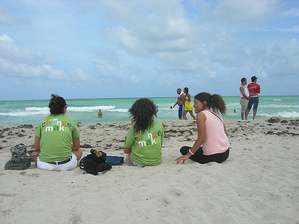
{"points": [[216, 116]]}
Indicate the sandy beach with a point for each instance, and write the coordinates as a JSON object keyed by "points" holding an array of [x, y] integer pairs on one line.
{"points": [[259, 183]]}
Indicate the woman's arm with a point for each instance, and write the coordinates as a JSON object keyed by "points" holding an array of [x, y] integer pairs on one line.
{"points": [[76, 148], [201, 136], [37, 143], [76, 144], [224, 129]]}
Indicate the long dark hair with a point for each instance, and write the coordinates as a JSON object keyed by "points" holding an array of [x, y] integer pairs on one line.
{"points": [[187, 90], [56, 104], [214, 102], [142, 113]]}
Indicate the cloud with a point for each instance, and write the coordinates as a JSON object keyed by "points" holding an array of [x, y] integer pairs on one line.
{"points": [[7, 68], [134, 78], [248, 13], [5, 38], [293, 12], [26, 63], [292, 29], [162, 27], [279, 60], [79, 75], [15, 54]]}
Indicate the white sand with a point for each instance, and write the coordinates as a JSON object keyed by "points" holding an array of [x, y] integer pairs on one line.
{"points": [[259, 183]]}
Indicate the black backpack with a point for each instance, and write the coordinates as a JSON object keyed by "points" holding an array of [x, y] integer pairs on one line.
{"points": [[94, 162]]}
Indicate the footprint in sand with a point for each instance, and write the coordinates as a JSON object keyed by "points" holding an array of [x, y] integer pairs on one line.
{"points": [[175, 192]]}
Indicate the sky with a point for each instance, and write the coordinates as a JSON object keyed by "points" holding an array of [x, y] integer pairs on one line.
{"points": [[146, 48]]}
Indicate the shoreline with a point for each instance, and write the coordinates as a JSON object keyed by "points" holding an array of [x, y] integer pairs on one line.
{"points": [[259, 182]]}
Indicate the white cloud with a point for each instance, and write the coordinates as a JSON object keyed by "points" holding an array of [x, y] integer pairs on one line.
{"points": [[26, 63], [79, 75], [292, 29], [8, 68], [13, 53], [294, 12], [241, 12], [6, 38], [134, 78]]}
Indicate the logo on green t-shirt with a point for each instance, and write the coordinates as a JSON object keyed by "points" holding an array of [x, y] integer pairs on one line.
{"points": [[148, 138], [55, 124]]}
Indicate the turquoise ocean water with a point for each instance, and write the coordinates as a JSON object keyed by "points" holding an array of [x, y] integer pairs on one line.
{"points": [[14, 113]]}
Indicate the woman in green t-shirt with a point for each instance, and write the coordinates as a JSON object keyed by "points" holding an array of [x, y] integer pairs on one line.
{"points": [[144, 139], [57, 138]]}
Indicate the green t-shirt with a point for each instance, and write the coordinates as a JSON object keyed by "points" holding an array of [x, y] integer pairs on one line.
{"points": [[56, 133], [146, 147]]}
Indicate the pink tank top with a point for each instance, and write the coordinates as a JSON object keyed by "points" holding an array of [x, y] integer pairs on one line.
{"points": [[216, 139]]}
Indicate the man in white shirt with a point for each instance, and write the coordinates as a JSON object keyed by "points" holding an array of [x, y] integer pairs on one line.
{"points": [[244, 97], [180, 102]]}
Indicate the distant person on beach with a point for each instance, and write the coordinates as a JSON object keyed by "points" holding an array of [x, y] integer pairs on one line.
{"points": [[244, 97], [100, 113], [254, 90], [180, 102], [57, 138], [212, 144], [188, 108], [144, 139]]}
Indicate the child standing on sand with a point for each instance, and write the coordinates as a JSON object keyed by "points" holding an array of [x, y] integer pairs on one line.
{"points": [[144, 139], [212, 144]]}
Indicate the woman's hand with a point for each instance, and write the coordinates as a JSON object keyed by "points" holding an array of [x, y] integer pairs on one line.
{"points": [[127, 150], [182, 158]]}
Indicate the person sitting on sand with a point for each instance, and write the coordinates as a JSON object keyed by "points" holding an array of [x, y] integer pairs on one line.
{"points": [[212, 144], [188, 104], [54, 137], [144, 139], [100, 114]]}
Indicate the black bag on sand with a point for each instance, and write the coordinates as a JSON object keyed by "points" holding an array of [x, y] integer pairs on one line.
{"points": [[20, 158], [94, 162]]}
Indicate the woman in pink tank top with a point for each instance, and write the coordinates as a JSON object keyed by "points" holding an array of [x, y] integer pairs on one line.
{"points": [[212, 144]]}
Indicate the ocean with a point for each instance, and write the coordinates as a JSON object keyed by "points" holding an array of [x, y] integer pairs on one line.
{"points": [[13, 113]]}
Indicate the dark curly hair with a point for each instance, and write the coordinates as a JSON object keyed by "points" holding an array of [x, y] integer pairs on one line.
{"points": [[56, 104], [142, 113], [214, 101]]}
